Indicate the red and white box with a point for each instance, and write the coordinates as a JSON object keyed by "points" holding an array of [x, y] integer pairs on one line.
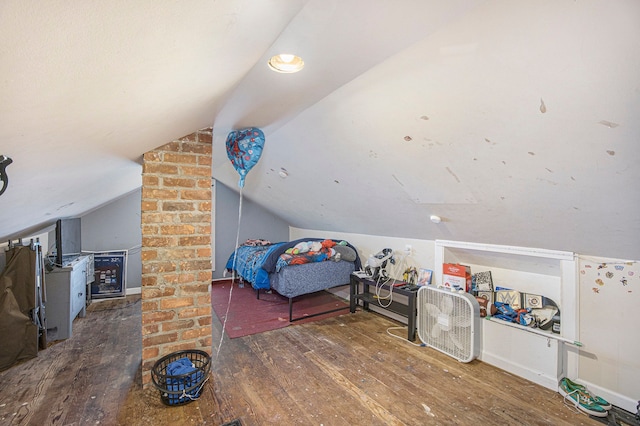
{"points": [[456, 276]]}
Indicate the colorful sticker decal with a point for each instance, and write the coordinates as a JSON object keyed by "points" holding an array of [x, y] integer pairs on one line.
{"points": [[603, 272]]}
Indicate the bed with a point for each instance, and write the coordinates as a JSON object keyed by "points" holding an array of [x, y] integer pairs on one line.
{"points": [[294, 268]]}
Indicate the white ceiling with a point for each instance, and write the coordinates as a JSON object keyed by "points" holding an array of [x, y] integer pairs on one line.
{"points": [[517, 122]]}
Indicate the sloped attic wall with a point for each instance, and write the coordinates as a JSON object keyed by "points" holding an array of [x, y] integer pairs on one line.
{"points": [[515, 123]]}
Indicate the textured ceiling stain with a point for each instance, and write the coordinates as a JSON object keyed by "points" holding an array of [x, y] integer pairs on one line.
{"points": [[609, 124], [548, 169], [548, 181], [543, 107], [65, 206], [489, 141], [424, 117], [408, 138], [572, 178], [373, 154], [336, 181], [531, 153], [504, 162], [397, 180], [453, 174], [611, 153]]}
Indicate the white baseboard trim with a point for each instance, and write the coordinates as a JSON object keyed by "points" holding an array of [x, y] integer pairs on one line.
{"points": [[623, 401], [509, 366]]}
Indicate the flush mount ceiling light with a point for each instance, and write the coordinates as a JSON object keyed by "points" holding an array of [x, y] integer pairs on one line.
{"points": [[286, 63]]}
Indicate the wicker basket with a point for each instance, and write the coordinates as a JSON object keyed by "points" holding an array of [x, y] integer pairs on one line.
{"points": [[184, 388]]}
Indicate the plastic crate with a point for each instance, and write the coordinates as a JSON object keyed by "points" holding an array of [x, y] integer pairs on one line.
{"points": [[183, 388]]}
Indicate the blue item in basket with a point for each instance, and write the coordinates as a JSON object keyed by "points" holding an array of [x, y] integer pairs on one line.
{"points": [[179, 379]]}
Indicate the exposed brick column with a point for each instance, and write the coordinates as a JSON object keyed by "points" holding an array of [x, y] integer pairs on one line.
{"points": [[176, 248]]}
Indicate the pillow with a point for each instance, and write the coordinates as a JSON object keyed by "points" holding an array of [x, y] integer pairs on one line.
{"points": [[346, 253]]}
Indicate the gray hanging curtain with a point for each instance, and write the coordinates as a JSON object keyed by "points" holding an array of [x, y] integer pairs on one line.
{"points": [[18, 299]]}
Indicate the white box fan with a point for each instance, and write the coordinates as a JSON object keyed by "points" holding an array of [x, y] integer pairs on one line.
{"points": [[449, 321]]}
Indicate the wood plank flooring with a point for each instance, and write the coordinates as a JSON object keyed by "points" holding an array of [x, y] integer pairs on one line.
{"points": [[345, 370]]}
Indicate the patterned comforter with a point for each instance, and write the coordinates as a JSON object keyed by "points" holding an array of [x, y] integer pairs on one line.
{"points": [[254, 263]]}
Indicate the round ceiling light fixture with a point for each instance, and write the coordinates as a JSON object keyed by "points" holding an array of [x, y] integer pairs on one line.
{"points": [[286, 63]]}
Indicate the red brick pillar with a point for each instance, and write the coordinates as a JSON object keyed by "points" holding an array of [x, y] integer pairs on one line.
{"points": [[176, 248]]}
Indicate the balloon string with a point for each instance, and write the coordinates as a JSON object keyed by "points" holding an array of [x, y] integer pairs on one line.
{"points": [[233, 276]]}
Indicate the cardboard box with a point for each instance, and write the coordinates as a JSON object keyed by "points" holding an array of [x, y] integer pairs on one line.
{"points": [[456, 276]]}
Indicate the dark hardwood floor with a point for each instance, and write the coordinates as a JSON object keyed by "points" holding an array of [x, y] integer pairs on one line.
{"points": [[340, 371]]}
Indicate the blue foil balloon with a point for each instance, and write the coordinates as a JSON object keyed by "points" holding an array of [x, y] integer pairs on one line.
{"points": [[244, 148]]}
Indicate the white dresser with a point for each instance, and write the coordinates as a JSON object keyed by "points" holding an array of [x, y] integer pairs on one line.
{"points": [[66, 292]]}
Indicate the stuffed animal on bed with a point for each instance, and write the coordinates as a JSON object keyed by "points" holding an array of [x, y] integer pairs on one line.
{"points": [[301, 247], [322, 249]]}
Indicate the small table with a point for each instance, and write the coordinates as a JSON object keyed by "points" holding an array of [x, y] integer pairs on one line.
{"points": [[408, 310]]}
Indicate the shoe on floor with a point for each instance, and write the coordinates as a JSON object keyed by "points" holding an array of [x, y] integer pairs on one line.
{"points": [[581, 401], [595, 398]]}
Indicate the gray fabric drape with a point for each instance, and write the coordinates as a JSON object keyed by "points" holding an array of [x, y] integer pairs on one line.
{"points": [[18, 299]]}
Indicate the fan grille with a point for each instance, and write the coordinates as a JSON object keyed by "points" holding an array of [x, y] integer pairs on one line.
{"points": [[447, 321]]}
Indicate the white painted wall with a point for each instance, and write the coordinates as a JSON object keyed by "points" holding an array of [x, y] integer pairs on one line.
{"points": [[255, 222], [608, 327], [422, 251], [116, 226]]}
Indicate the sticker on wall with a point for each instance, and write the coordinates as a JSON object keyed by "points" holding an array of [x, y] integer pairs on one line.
{"points": [[624, 274]]}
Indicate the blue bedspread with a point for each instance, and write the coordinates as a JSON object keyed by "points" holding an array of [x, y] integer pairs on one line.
{"points": [[248, 263], [254, 263]]}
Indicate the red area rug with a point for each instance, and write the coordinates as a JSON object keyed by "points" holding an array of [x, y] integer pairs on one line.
{"points": [[249, 315]]}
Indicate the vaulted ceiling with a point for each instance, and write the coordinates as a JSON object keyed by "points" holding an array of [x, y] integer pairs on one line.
{"points": [[515, 122]]}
